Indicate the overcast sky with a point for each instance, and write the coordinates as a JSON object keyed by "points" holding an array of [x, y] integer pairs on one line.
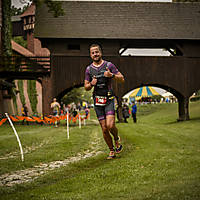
{"points": [[19, 3]]}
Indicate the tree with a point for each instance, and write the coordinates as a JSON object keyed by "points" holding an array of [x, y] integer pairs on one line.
{"points": [[55, 7], [7, 11], [77, 95], [18, 11], [20, 40], [6, 28]]}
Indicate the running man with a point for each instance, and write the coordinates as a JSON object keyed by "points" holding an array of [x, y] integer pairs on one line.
{"points": [[99, 75]]}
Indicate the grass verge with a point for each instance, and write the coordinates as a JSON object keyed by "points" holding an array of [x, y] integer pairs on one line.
{"points": [[161, 159]]}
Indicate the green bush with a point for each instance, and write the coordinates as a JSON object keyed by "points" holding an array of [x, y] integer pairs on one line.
{"points": [[21, 41], [21, 91], [15, 103], [32, 94]]}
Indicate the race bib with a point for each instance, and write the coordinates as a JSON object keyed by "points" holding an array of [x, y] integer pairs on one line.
{"points": [[100, 101]]}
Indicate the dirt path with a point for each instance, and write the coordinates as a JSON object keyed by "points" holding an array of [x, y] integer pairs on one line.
{"points": [[28, 175]]}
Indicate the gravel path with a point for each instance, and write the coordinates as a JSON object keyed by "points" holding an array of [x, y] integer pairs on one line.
{"points": [[28, 175]]}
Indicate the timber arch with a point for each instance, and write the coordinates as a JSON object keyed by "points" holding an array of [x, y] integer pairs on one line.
{"points": [[123, 25], [174, 74]]}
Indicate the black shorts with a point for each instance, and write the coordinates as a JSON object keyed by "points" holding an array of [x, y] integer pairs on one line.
{"points": [[55, 113], [103, 111]]}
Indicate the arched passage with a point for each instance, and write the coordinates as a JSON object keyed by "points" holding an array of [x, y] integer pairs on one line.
{"points": [[174, 74], [183, 102], [180, 72], [63, 93]]}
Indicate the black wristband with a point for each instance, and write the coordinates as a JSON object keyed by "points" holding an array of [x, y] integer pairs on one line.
{"points": [[113, 75]]}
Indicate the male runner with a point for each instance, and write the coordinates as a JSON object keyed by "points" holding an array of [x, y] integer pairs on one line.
{"points": [[99, 75]]}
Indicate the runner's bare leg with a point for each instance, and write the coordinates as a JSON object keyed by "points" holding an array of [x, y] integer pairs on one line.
{"points": [[110, 123], [106, 134]]}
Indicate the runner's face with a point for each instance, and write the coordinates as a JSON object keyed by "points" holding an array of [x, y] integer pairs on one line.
{"points": [[95, 54]]}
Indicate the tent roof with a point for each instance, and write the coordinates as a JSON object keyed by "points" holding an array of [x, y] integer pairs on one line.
{"points": [[145, 91], [167, 94]]}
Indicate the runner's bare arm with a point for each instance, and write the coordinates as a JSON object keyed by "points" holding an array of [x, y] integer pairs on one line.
{"points": [[119, 77], [88, 85]]}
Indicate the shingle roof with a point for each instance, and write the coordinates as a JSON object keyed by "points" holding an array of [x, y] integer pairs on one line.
{"points": [[120, 20]]}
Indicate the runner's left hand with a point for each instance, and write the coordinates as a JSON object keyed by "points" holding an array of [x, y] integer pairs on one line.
{"points": [[108, 73]]}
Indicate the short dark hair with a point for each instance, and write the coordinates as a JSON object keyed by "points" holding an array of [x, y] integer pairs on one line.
{"points": [[95, 45]]}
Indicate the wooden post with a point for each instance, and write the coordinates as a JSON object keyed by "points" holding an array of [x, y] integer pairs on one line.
{"points": [[183, 106]]}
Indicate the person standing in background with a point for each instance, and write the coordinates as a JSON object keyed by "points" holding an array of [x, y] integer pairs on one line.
{"points": [[125, 112], [134, 111], [56, 109], [24, 113]]}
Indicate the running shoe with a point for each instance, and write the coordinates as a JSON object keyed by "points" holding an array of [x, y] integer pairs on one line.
{"points": [[119, 146], [111, 155]]}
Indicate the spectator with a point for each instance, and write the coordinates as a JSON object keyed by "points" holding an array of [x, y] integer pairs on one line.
{"points": [[125, 112], [56, 109], [24, 113], [134, 111]]}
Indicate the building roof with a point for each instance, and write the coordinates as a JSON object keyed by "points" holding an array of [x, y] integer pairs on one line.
{"points": [[29, 11], [120, 20], [16, 18]]}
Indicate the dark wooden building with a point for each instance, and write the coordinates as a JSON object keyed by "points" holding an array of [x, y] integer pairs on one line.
{"points": [[30, 63], [122, 25], [17, 26]]}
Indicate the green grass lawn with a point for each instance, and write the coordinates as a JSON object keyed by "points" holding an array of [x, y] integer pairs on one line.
{"points": [[160, 160]]}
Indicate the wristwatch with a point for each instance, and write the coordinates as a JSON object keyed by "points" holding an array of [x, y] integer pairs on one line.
{"points": [[113, 75]]}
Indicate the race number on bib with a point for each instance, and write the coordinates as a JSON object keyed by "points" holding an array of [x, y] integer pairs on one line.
{"points": [[100, 101]]}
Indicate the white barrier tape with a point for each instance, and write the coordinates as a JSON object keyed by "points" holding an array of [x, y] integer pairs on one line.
{"points": [[67, 124], [20, 146]]}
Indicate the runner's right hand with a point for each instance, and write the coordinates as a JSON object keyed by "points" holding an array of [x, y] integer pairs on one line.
{"points": [[94, 80]]}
